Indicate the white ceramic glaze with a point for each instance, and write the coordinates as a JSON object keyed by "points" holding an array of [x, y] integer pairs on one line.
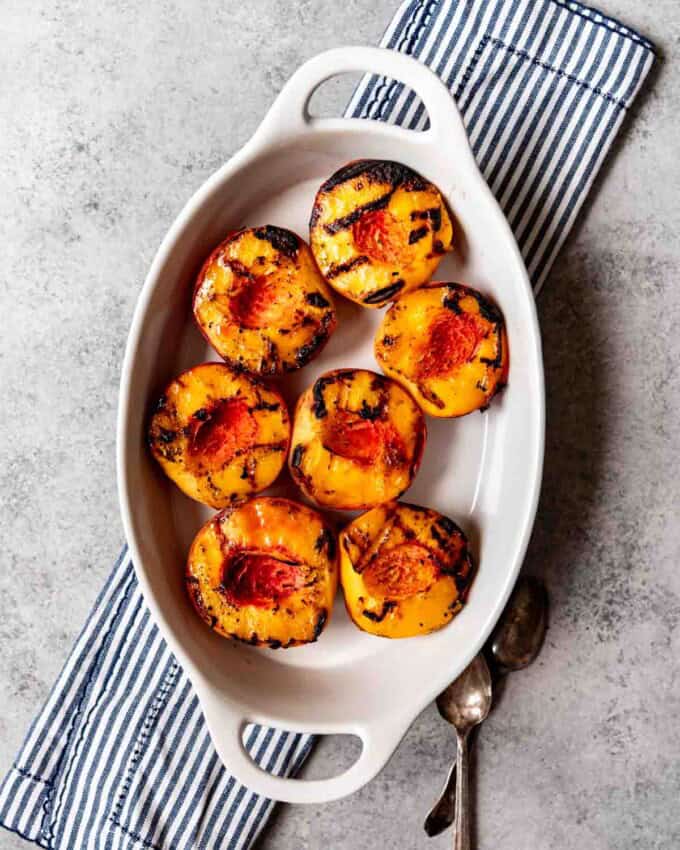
{"points": [[483, 470]]}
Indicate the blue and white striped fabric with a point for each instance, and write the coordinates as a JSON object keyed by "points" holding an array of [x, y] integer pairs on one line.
{"points": [[119, 757], [543, 86]]}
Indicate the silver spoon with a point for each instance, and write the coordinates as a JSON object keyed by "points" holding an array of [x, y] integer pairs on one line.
{"points": [[514, 644], [465, 704], [519, 633]]}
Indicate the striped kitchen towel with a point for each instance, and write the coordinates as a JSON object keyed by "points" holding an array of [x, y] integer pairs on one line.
{"points": [[119, 756], [543, 86]]}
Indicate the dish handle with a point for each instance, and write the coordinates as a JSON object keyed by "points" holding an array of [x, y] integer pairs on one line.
{"points": [[377, 745], [289, 114]]}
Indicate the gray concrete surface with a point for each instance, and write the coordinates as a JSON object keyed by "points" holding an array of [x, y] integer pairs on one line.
{"points": [[111, 113]]}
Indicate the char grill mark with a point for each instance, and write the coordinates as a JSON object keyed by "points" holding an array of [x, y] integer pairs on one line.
{"points": [[377, 171], [387, 606], [448, 525], [371, 413], [264, 405], [237, 268], [347, 172], [296, 458], [319, 407], [384, 294], [343, 268], [281, 240], [320, 623], [316, 299], [326, 541], [194, 592], [416, 235], [434, 214], [487, 310], [270, 362], [274, 447], [165, 435], [438, 536], [305, 354], [451, 301], [464, 577], [348, 220]]}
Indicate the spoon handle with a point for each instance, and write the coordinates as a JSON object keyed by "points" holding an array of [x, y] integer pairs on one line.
{"points": [[461, 824], [442, 813]]}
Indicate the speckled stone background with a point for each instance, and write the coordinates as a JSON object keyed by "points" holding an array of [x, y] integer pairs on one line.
{"points": [[111, 114]]}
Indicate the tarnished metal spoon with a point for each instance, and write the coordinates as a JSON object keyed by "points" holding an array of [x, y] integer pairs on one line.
{"points": [[465, 704], [514, 644], [519, 634]]}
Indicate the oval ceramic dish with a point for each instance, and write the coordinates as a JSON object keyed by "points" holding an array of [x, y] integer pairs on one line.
{"points": [[482, 470]]}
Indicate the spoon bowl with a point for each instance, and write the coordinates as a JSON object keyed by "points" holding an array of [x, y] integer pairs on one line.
{"points": [[519, 635], [467, 701]]}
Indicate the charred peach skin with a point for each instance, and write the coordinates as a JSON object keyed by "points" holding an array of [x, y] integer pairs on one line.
{"points": [[378, 229], [261, 302], [446, 344], [405, 570], [357, 441], [264, 572], [219, 435]]}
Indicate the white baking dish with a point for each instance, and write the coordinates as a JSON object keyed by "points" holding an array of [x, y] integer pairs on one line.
{"points": [[483, 470]]}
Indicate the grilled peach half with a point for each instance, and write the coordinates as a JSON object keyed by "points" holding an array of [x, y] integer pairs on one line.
{"points": [[378, 229], [261, 303], [357, 441], [405, 570], [219, 435], [446, 344], [265, 572]]}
